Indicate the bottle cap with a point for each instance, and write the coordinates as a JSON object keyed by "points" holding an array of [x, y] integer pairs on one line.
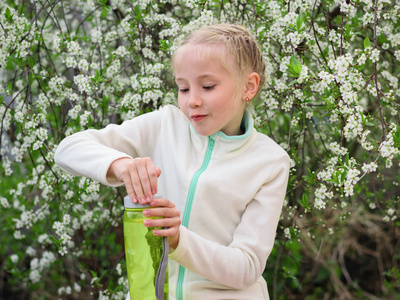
{"points": [[129, 204]]}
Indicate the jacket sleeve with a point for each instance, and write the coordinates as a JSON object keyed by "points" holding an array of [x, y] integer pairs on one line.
{"points": [[240, 264], [90, 153]]}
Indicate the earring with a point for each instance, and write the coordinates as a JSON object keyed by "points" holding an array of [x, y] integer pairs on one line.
{"points": [[248, 99]]}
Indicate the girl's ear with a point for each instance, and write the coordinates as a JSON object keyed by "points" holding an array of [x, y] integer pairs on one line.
{"points": [[252, 82]]}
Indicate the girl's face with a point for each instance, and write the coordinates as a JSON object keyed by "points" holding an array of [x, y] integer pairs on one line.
{"points": [[208, 94]]}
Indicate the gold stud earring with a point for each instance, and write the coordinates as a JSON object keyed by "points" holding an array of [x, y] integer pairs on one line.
{"points": [[248, 99]]}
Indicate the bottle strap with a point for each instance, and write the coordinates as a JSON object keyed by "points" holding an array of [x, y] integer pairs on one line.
{"points": [[162, 270]]}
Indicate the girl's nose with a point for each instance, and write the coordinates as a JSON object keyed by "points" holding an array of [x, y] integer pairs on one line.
{"points": [[194, 100]]}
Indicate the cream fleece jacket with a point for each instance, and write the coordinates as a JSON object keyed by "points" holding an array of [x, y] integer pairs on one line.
{"points": [[229, 190]]}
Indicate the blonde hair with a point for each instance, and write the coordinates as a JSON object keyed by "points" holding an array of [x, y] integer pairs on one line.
{"points": [[238, 42]]}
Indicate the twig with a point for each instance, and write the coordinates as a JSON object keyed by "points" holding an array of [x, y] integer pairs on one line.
{"points": [[376, 72], [316, 39], [341, 36], [255, 18]]}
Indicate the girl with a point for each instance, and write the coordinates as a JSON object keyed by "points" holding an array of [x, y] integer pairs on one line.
{"points": [[225, 179]]}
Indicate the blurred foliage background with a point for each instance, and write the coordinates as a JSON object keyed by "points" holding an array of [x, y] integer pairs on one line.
{"points": [[331, 100]]}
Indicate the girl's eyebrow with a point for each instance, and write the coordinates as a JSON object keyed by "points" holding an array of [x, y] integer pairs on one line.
{"points": [[200, 77]]}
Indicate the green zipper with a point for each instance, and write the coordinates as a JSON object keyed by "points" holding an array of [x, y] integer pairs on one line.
{"points": [[188, 208]]}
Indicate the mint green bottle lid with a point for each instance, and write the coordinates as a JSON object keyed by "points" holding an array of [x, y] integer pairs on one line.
{"points": [[129, 204]]}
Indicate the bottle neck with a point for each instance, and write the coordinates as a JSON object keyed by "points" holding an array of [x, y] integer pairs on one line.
{"points": [[135, 209]]}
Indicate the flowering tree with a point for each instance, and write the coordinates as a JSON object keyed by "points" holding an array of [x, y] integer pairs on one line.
{"points": [[331, 99]]}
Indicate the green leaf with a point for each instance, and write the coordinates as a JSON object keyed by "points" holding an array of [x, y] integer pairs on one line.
{"points": [[104, 11], [294, 61], [138, 13], [304, 201], [31, 62], [294, 66], [8, 15], [396, 137], [361, 67], [55, 241], [164, 45], [299, 22], [292, 28], [97, 75], [367, 43], [94, 274]]}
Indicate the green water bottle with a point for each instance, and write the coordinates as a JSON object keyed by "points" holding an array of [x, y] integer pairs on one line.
{"points": [[146, 255]]}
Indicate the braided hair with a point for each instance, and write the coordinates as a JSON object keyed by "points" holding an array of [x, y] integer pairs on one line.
{"points": [[238, 42]]}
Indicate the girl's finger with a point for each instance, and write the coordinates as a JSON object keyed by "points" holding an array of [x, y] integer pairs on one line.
{"points": [[153, 173], [161, 202], [169, 232], [162, 222], [145, 183], [129, 188], [137, 185]]}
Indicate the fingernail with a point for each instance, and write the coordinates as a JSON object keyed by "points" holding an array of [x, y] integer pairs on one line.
{"points": [[148, 199], [142, 201], [146, 213], [154, 192], [135, 200], [146, 223]]}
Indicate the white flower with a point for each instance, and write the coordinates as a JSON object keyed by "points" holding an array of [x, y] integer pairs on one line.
{"points": [[121, 51], [69, 195], [18, 235], [66, 219], [14, 258], [119, 270], [83, 83], [374, 57], [30, 251], [74, 112], [287, 233], [397, 54], [58, 227], [371, 167], [4, 202], [77, 287], [362, 59], [43, 238], [303, 74], [337, 149], [83, 65], [74, 48], [390, 211], [61, 290], [34, 276], [84, 119], [70, 62]]}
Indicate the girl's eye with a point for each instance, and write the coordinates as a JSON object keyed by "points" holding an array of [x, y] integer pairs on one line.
{"points": [[208, 87], [183, 90]]}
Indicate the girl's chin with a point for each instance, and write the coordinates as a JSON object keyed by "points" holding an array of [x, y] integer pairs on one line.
{"points": [[203, 131]]}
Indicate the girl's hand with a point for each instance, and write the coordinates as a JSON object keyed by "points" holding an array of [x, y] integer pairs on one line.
{"points": [[139, 176], [170, 220]]}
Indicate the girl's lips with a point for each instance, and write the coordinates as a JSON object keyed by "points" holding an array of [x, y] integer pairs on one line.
{"points": [[198, 118]]}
